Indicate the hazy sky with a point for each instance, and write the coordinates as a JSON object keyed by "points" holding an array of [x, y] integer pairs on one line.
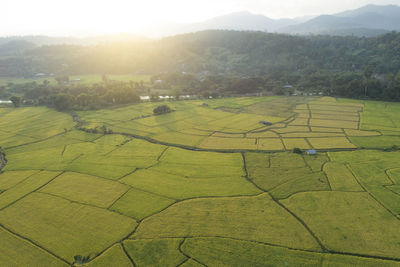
{"points": [[91, 17]]}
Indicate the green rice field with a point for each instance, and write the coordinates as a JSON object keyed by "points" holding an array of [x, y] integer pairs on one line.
{"points": [[205, 185]]}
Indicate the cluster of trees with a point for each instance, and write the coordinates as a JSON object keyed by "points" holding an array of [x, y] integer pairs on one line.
{"points": [[245, 53], [212, 63], [67, 96]]}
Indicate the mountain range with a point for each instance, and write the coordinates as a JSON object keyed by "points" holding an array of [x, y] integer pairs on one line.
{"points": [[368, 21]]}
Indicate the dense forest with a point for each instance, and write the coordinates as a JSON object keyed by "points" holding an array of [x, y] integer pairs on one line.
{"points": [[227, 62]]}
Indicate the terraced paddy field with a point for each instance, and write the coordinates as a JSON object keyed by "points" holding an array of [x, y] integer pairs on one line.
{"points": [[204, 185]]}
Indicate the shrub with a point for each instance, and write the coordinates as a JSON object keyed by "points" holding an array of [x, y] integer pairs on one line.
{"points": [[162, 109], [297, 150]]}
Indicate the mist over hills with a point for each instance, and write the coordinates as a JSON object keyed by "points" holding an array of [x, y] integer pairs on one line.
{"points": [[368, 21]]}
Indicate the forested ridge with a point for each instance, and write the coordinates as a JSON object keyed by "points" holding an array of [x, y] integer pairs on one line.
{"points": [[343, 66]]}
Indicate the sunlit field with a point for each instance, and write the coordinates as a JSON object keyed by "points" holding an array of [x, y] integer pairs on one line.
{"points": [[213, 183], [78, 79]]}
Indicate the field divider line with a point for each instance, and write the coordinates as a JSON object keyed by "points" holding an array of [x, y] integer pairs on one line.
{"points": [[40, 187], [389, 177], [34, 244], [62, 152], [37, 171], [84, 204], [283, 206], [372, 195], [40, 140], [118, 242], [118, 147], [186, 255], [326, 175], [127, 254], [328, 252], [118, 198]]}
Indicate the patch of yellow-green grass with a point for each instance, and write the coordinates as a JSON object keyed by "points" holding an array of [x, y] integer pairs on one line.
{"points": [[394, 175], [256, 218], [114, 256], [312, 134], [182, 156], [326, 99], [219, 143], [85, 189], [179, 138], [282, 179], [370, 174], [387, 197], [340, 178], [109, 157], [15, 251], [257, 160], [163, 119], [376, 141], [270, 144], [334, 123], [293, 129], [8, 139], [25, 187], [350, 222], [180, 187], [287, 160], [339, 108], [299, 121], [228, 135], [352, 133], [301, 183], [132, 127], [291, 143], [139, 204], [35, 122], [394, 188], [330, 142], [267, 134], [198, 164], [269, 178], [65, 228], [336, 116], [191, 263], [332, 260], [155, 252], [227, 252], [326, 130], [11, 178], [315, 162]]}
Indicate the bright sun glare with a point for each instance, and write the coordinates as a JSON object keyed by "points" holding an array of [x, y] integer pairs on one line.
{"points": [[93, 17]]}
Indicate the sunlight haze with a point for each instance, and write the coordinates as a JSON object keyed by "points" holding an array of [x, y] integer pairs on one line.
{"points": [[90, 17]]}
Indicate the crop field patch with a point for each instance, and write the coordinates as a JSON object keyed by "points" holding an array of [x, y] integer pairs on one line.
{"points": [[139, 204], [375, 232], [63, 227], [18, 252], [340, 177], [206, 185], [291, 143], [85, 189], [246, 216], [330, 142], [155, 252], [181, 187], [115, 256]]}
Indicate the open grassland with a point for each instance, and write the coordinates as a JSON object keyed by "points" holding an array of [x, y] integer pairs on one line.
{"points": [[205, 185]]}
